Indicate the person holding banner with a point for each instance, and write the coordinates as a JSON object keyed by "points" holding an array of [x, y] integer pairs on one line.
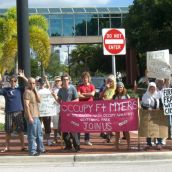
{"points": [[86, 92], [150, 101], [68, 93], [121, 93], [107, 94]]}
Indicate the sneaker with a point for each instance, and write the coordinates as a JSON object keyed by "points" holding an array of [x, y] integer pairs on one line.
{"points": [[35, 154], [88, 143]]}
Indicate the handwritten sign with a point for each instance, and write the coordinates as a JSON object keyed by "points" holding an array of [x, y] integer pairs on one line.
{"points": [[48, 105], [153, 124], [158, 64], [167, 101], [99, 116]]}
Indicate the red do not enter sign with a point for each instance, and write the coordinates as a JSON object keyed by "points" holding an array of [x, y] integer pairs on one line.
{"points": [[114, 41]]}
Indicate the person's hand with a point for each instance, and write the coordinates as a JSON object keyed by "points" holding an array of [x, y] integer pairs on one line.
{"points": [[21, 73], [31, 120]]}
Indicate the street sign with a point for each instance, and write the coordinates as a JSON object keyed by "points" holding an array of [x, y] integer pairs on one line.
{"points": [[114, 41]]}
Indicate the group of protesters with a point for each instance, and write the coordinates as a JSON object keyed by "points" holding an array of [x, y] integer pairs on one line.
{"points": [[21, 103]]}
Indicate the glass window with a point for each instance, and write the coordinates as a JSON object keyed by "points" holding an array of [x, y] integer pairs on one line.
{"points": [[114, 9], [101, 10], [68, 25], [32, 10], [55, 16], [89, 16], [115, 22], [80, 25], [103, 23], [55, 27], [42, 10], [92, 27], [93, 10], [104, 15], [79, 10], [124, 9], [67, 10], [54, 10]]}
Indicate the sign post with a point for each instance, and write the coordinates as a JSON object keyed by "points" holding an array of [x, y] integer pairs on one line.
{"points": [[114, 44]]}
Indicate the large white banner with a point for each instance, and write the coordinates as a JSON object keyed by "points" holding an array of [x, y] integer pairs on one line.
{"points": [[158, 64], [48, 105]]}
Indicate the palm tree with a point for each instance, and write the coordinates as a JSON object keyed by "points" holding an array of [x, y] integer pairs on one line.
{"points": [[39, 39]]}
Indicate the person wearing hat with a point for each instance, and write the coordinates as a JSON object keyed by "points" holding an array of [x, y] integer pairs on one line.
{"points": [[121, 93], [107, 94], [14, 110]]}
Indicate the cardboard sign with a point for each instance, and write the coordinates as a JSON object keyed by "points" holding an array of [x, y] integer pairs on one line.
{"points": [[153, 124], [158, 64], [167, 101], [48, 105]]}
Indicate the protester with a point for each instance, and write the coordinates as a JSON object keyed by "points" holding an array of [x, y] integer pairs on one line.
{"points": [[68, 93], [13, 111], [55, 119], [107, 94], [150, 101], [121, 93], [86, 92], [34, 130], [44, 87]]}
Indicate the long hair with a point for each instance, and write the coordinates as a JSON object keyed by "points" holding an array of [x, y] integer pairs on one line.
{"points": [[124, 92]]}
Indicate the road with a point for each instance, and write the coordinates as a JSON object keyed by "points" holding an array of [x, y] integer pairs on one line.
{"points": [[141, 166]]}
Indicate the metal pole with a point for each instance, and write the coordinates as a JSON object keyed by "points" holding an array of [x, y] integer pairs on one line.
{"points": [[113, 65], [23, 36], [68, 59]]}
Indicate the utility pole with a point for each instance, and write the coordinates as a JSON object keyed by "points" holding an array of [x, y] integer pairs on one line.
{"points": [[23, 36]]}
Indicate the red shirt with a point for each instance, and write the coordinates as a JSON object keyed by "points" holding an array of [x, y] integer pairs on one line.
{"points": [[86, 89]]}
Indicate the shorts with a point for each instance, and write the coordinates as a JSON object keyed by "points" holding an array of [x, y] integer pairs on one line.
{"points": [[14, 122]]}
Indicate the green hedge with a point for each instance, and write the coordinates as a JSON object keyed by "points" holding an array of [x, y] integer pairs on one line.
{"points": [[1, 127]]}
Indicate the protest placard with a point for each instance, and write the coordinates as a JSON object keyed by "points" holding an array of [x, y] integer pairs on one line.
{"points": [[153, 123], [158, 64], [167, 101], [99, 116], [48, 105]]}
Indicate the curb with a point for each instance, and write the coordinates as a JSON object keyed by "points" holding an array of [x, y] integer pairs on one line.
{"points": [[83, 158]]}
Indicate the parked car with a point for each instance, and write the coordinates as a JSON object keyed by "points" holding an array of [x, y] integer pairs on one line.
{"points": [[98, 82]]}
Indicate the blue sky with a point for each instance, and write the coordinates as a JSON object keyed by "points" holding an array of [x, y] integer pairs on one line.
{"points": [[69, 3]]}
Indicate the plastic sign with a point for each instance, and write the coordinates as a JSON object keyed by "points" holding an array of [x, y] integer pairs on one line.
{"points": [[114, 42]]}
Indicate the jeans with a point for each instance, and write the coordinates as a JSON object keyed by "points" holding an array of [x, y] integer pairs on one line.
{"points": [[86, 136], [149, 142], [35, 137]]}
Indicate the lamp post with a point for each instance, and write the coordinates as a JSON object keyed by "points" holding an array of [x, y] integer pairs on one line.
{"points": [[23, 36]]}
